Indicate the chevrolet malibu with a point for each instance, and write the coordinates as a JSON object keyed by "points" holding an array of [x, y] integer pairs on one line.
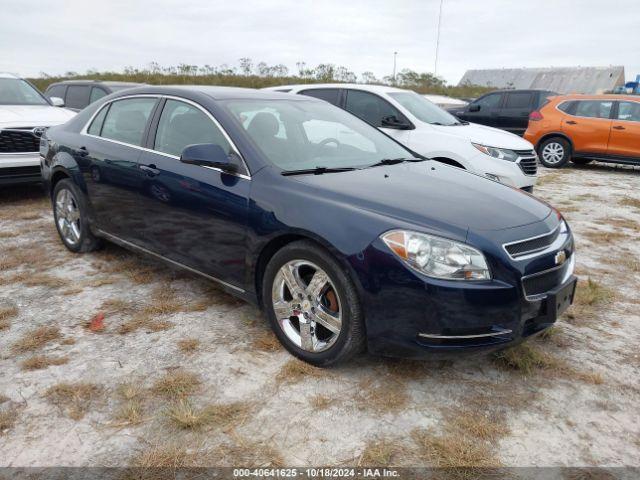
{"points": [[346, 239]]}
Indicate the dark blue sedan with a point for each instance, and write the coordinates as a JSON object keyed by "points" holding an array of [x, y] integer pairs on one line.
{"points": [[346, 239]]}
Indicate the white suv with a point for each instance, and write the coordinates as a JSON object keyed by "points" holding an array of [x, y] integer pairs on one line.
{"points": [[24, 115], [432, 132]]}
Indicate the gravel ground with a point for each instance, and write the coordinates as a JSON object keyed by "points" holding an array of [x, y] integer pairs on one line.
{"points": [[108, 360]]}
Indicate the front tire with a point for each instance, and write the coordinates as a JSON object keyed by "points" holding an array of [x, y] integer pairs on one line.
{"points": [[70, 216], [554, 152], [312, 305]]}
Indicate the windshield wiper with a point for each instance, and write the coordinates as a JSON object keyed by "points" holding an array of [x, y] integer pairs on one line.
{"points": [[318, 170], [394, 161]]}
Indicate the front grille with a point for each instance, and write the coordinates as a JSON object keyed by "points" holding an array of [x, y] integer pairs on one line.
{"points": [[19, 141], [528, 164], [543, 282], [532, 245]]}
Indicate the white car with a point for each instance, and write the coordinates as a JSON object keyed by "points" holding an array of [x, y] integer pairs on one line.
{"points": [[24, 116], [432, 132]]}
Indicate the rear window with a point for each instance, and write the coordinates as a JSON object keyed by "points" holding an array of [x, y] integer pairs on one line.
{"points": [[566, 107]]}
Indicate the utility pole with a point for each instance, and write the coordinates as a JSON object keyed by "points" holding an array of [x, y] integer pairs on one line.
{"points": [[395, 54], [435, 67]]}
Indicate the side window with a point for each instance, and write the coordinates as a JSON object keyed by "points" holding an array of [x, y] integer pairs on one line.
{"points": [[489, 101], [542, 99], [370, 107], [566, 107], [593, 109], [127, 119], [56, 91], [182, 124], [77, 96], [518, 100], [629, 111], [96, 94], [96, 125], [327, 94]]}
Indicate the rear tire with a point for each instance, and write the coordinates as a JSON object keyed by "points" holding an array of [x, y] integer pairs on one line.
{"points": [[319, 322], [70, 217], [554, 152]]}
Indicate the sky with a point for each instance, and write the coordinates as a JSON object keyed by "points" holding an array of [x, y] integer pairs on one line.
{"points": [[75, 35]]}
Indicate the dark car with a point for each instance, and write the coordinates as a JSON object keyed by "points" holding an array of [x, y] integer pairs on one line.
{"points": [[77, 94], [507, 109], [345, 245]]}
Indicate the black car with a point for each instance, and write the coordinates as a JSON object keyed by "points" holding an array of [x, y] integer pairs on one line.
{"points": [[507, 109], [346, 244], [77, 94]]}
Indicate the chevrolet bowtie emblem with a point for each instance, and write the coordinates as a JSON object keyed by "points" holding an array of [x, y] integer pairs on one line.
{"points": [[561, 257]]}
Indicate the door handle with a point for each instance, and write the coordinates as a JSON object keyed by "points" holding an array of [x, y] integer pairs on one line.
{"points": [[571, 122], [82, 152], [618, 127], [150, 170]]}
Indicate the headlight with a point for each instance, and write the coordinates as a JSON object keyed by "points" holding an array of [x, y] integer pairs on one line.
{"points": [[501, 153], [437, 257]]}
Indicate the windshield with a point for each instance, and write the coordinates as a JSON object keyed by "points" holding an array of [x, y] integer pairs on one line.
{"points": [[15, 91], [299, 135], [423, 109]]}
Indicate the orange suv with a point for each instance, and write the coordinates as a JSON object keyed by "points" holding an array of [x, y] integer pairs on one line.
{"points": [[583, 128]]}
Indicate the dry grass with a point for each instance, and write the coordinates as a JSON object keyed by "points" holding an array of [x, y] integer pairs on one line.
{"points": [[483, 425], [36, 339], [188, 345], [630, 202], [130, 411], [381, 396], [248, 452], [603, 237], [185, 416], [526, 358], [379, 453], [144, 322], [6, 314], [177, 384], [169, 456], [295, 371], [74, 398], [621, 222], [7, 419], [10, 234], [321, 402], [40, 362], [402, 369], [591, 293], [266, 342]]}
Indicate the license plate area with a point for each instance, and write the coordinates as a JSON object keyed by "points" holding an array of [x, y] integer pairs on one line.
{"points": [[561, 299]]}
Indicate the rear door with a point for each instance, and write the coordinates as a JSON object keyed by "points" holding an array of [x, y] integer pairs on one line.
{"points": [[484, 110], [514, 114], [624, 139], [588, 126], [108, 157], [193, 215]]}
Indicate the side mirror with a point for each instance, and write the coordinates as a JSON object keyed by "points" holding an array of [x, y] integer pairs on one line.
{"points": [[57, 101], [393, 122], [474, 108], [207, 155]]}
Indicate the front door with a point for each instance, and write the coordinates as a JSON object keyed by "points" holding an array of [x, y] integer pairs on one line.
{"points": [[514, 114], [589, 126], [194, 215], [625, 131], [484, 110]]}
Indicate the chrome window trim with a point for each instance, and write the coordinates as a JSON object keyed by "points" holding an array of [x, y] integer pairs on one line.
{"points": [[540, 251], [84, 130], [123, 242]]}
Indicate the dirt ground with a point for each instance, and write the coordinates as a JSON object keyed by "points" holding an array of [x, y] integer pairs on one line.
{"points": [[108, 360]]}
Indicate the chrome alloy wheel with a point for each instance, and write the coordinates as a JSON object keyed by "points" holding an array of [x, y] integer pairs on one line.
{"points": [[307, 305], [553, 153], [68, 216]]}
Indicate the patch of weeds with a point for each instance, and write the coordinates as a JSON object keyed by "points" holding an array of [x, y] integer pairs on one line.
{"points": [[621, 222], [403, 369], [74, 398], [266, 342], [600, 236], [10, 234], [188, 345], [525, 358], [555, 336], [130, 411], [144, 322], [167, 456], [591, 293], [295, 371], [248, 452], [630, 202], [40, 362], [6, 314], [36, 339], [177, 384], [8, 419], [387, 397], [185, 416], [321, 402], [379, 453], [482, 425]]}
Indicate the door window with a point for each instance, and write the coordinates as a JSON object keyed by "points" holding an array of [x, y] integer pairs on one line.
{"points": [[182, 124], [489, 101], [56, 91], [96, 125], [593, 109], [518, 100], [629, 111], [327, 94], [127, 119], [96, 94], [77, 96], [370, 108]]}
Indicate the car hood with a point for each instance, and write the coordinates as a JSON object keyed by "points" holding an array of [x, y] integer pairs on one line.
{"points": [[33, 115], [431, 194], [489, 136]]}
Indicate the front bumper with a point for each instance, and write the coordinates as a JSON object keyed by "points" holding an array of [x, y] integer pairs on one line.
{"points": [[18, 168], [509, 173]]}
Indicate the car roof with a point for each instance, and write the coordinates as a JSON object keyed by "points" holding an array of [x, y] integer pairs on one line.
{"points": [[215, 92], [355, 86], [608, 96], [8, 75], [99, 82]]}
